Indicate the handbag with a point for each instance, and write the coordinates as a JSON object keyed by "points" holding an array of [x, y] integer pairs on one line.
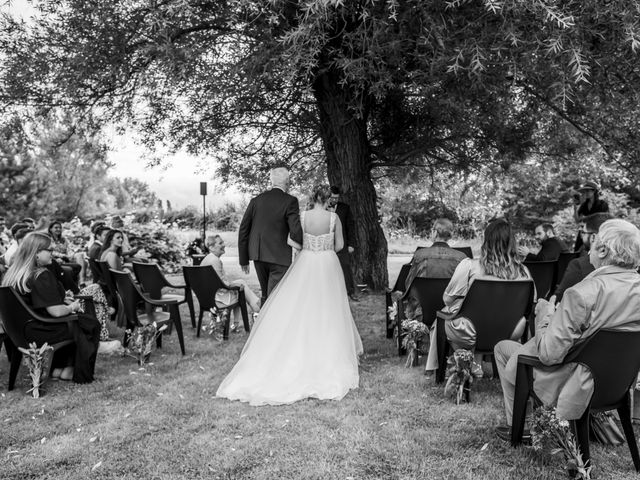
{"points": [[461, 332], [603, 429]]}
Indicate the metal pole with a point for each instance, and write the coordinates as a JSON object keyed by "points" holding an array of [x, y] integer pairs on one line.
{"points": [[204, 219]]}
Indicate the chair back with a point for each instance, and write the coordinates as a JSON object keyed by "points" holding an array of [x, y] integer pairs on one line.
{"points": [[204, 282], [107, 277], [402, 278], [466, 250], [563, 262], [544, 275], [150, 277], [495, 307], [96, 271], [614, 360], [129, 293], [14, 315], [429, 293]]}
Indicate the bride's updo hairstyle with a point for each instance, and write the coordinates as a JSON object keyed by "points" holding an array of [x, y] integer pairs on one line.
{"points": [[321, 194]]}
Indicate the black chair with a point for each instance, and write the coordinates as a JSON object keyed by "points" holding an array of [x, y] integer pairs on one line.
{"points": [[152, 280], [197, 258], [205, 282], [544, 276], [398, 287], [495, 307], [96, 271], [132, 295], [14, 315], [563, 262], [428, 292], [614, 360], [466, 250]]}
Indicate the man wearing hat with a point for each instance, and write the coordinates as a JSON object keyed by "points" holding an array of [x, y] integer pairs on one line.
{"points": [[588, 204]]}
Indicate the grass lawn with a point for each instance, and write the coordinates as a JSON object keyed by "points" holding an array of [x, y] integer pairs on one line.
{"points": [[164, 422]]}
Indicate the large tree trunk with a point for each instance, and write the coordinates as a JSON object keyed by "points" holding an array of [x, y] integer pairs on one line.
{"points": [[349, 166]]}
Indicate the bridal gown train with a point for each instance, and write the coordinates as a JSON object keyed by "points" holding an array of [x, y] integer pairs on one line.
{"points": [[305, 342]]}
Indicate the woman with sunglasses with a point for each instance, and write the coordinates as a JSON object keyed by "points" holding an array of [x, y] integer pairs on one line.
{"points": [[30, 277]]}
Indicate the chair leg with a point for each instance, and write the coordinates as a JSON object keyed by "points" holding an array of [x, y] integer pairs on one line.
{"points": [[175, 315], [624, 412], [581, 428], [399, 318], [16, 358], [226, 314], [520, 398], [494, 366], [441, 343], [192, 313], [243, 311], [199, 323], [388, 321], [159, 340]]}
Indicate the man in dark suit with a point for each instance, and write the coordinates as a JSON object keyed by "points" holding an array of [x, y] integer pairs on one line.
{"points": [[550, 246], [580, 267], [343, 211], [269, 219]]}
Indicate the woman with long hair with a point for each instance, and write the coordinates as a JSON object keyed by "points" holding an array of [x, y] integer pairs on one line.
{"points": [[63, 253], [112, 249], [498, 261], [30, 277], [305, 342]]}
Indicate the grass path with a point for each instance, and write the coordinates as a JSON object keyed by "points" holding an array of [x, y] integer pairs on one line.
{"points": [[165, 423]]}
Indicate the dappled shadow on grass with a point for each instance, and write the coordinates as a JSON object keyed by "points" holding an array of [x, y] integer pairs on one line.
{"points": [[164, 422]]}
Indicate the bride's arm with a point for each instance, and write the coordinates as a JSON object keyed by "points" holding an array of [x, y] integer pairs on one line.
{"points": [[338, 238], [293, 244]]}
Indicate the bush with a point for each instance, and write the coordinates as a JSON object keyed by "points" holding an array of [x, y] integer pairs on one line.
{"points": [[159, 243]]}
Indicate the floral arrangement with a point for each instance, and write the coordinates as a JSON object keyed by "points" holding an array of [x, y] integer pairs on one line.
{"points": [[551, 434], [38, 361], [414, 331], [217, 322], [141, 340], [461, 371]]}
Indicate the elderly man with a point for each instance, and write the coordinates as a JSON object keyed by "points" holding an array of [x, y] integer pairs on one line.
{"points": [[550, 246], [608, 298]]}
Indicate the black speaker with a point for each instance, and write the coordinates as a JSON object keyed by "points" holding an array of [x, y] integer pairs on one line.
{"points": [[203, 188]]}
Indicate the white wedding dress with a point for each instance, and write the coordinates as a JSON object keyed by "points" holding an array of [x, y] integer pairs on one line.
{"points": [[305, 342]]}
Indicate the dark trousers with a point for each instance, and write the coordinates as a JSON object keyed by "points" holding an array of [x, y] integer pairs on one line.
{"points": [[345, 262], [269, 275], [85, 332]]}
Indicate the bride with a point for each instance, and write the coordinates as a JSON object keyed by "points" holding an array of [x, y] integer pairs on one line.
{"points": [[305, 342]]}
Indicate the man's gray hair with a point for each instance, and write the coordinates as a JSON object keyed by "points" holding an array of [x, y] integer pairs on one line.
{"points": [[443, 228], [623, 241], [279, 177], [212, 239]]}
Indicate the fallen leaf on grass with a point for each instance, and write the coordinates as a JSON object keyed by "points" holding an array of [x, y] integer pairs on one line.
{"points": [[484, 447], [7, 419], [201, 368], [44, 439], [383, 424], [93, 439], [181, 396], [237, 437], [96, 466], [159, 394], [127, 415]]}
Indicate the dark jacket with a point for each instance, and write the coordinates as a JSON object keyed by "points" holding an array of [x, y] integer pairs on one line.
{"points": [[437, 261], [94, 251], [343, 211], [268, 220], [550, 250], [576, 271]]}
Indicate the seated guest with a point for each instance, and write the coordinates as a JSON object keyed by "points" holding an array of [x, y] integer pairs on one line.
{"points": [[224, 298], [498, 261], [580, 267], [63, 254], [30, 277], [112, 250], [550, 245], [31, 223], [100, 234], [608, 298], [127, 250], [437, 261], [13, 244]]}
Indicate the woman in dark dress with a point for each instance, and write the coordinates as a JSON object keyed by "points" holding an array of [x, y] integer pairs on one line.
{"points": [[29, 276]]}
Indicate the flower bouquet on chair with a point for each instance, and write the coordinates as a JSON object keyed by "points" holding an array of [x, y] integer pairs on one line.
{"points": [[461, 371], [414, 331], [38, 361], [141, 341]]}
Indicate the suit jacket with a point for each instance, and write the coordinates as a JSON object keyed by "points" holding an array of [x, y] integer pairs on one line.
{"points": [[550, 250], [343, 211], [576, 271], [268, 220], [608, 298], [94, 251], [437, 261]]}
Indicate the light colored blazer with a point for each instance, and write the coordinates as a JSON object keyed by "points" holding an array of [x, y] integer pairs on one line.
{"points": [[608, 298], [224, 297]]}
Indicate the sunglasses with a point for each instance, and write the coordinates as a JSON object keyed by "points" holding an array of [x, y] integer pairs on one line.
{"points": [[45, 250]]}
